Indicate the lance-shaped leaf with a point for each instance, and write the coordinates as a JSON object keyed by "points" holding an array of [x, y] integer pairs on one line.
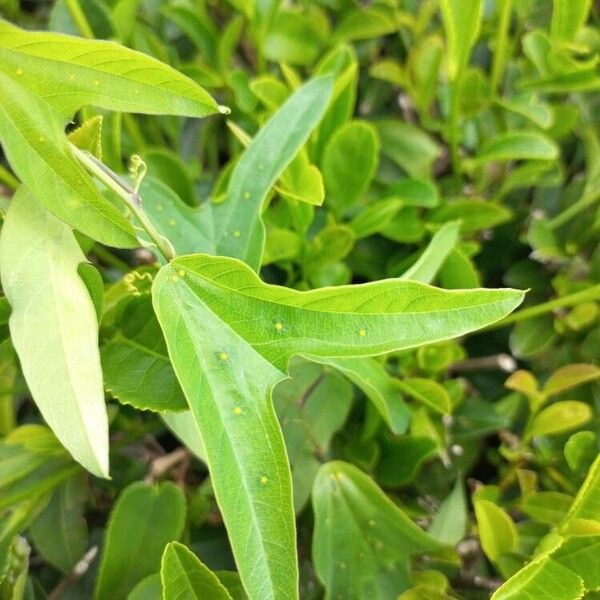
{"points": [[230, 336], [239, 231], [54, 328], [35, 145], [71, 72], [362, 541]]}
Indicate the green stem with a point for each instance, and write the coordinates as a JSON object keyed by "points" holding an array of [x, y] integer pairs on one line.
{"points": [[454, 135], [505, 9], [128, 194], [588, 199], [8, 179], [79, 18], [587, 295]]}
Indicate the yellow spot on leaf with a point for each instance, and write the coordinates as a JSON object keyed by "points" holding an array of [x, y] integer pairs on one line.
{"points": [[159, 207], [174, 279], [264, 480], [19, 71], [223, 356], [172, 222], [246, 195], [237, 233], [72, 77], [42, 138], [96, 82], [278, 326], [181, 273], [362, 332], [237, 410]]}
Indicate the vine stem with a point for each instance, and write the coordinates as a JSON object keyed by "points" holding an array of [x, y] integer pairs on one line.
{"points": [[587, 295], [128, 194]]}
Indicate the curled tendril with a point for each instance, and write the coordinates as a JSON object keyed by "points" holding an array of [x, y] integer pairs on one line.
{"points": [[137, 170]]}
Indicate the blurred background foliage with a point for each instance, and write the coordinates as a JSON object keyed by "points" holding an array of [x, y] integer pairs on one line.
{"points": [[483, 132]]}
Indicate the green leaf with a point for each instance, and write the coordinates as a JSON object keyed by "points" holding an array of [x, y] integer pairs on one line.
{"points": [[68, 389], [12, 586], [401, 458], [449, 525], [517, 146], [136, 364], [408, 146], [542, 579], [587, 502], [362, 541], [188, 229], [581, 449], [367, 22], [143, 521], [350, 160], [428, 392], [32, 463], [382, 390], [497, 531], [433, 257], [183, 575], [473, 214], [311, 406], [208, 308], [567, 17], [71, 72], [462, 21], [295, 37], [244, 447], [570, 376], [415, 192], [547, 507], [149, 588], [361, 320], [459, 272], [239, 231], [35, 145], [184, 427], [560, 417], [60, 532], [532, 336], [166, 166], [88, 136], [581, 555]]}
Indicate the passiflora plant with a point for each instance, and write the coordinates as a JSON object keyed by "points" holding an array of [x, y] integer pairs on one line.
{"points": [[210, 316]]}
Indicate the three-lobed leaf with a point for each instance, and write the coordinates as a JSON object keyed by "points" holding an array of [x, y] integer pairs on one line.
{"points": [[221, 320]]}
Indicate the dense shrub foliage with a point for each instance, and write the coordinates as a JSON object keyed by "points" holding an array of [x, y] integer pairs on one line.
{"points": [[299, 299]]}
